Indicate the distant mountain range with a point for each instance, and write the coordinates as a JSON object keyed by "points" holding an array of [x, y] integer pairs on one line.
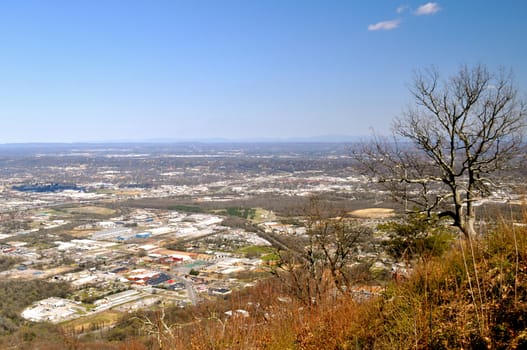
{"points": [[321, 138]]}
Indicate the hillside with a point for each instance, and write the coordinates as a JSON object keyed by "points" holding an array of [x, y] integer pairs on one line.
{"points": [[472, 297]]}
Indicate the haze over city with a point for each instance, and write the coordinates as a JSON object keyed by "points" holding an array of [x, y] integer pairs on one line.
{"points": [[94, 71]]}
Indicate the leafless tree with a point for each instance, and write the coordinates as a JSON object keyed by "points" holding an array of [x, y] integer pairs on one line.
{"points": [[324, 263], [158, 328], [448, 144]]}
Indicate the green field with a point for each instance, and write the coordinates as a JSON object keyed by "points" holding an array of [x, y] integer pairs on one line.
{"points": [[90, 210], [256, 251]]}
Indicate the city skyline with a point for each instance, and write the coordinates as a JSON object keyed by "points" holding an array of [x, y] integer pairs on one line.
{"points": [[98, 71]]}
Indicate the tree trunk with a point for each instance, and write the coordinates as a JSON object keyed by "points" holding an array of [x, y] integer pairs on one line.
{"points": [[468, 227], [470, 215]]}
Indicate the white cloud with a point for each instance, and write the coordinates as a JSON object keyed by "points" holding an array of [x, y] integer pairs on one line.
{"points": [[428, 9], [385, 25], [401, 9]]}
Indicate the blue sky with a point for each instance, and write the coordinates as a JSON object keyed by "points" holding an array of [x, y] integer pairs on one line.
{"points": [[100, 70]]}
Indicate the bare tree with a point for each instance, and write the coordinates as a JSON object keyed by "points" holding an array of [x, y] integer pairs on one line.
{"points": [[324, 263], [158, 328], [447, 145]]}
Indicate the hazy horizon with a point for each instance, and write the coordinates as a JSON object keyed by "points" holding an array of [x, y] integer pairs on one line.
{"points": [[313, 139]]}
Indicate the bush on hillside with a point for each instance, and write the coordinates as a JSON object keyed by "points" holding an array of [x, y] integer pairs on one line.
{"points": [[417, 237]]}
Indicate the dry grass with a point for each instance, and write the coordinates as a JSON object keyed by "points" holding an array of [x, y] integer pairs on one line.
{"points": [[373, 213], [472, 297]]}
